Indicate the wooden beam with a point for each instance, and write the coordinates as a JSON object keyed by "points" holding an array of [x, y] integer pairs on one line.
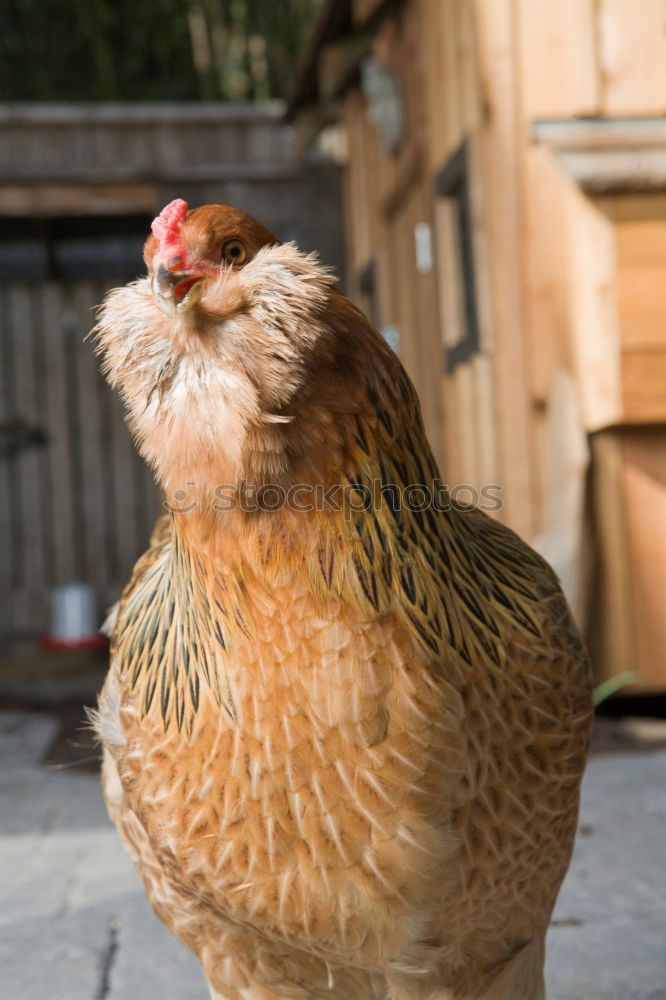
{"points": [[47, 200], [339, 64], [601, 133], [606, 156], [54, 115]]}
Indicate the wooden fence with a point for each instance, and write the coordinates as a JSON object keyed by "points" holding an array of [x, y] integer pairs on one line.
{"points": [[76, 501]]}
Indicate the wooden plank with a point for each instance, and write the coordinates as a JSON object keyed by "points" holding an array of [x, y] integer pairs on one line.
{"points": [[123, 500], [502, 142], [641, 277], [450, 97], [449, 278], [644, 385], [424, 307], [566, 311], [564, 455], [629, 477], [642, 241], [601, 134], [414, 309], [612, 638], [128, 537], [396, 47], [72, 418], [382, 294], [450, 447], [622, 157], [30, 592], [640, 303], [613, 171], [594, 295], [6, 623], [399, 276], [66, 199], [358, 200], [108, 405], [373, 167], [92, 458], [42, 377], [433, 46], [557, 58], [486, 421], [632, 55], [467, 64], [349, 184], [546, 272], [405, 176], [479, 225], [589, 250], [476, 393], [644, 482], [57, 427], [467, 470]]}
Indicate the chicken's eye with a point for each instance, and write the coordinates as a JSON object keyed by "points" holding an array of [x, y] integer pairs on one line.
{"points": [[234, 252]]}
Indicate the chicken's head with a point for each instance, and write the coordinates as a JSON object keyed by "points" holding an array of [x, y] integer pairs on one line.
{"points": [[216, 348], [188, 249]]}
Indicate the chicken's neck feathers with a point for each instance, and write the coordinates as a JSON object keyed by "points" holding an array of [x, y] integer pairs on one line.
{"points": [[454, 581]]}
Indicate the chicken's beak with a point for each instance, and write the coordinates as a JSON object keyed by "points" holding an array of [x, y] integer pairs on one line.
{"points": [[176, 291]]}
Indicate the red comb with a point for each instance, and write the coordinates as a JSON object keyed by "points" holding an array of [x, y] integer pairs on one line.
{"points": [[166, 227]]}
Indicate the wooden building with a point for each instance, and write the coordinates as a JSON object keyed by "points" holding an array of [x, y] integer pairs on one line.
{"points": [[505, 215], [79, 186]]}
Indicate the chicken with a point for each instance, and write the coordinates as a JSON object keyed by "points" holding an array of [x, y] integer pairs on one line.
{"points": [[345, 721]]}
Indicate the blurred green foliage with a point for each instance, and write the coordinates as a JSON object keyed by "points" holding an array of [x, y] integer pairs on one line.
{"points": [[125, 50]]}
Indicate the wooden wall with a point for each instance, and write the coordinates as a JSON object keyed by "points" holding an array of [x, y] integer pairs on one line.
{"points": [[564, 401], [80, 505], [591, 57], [434, 48]]}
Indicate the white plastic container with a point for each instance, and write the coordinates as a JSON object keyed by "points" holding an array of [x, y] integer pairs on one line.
{"points": [[74, 618]]}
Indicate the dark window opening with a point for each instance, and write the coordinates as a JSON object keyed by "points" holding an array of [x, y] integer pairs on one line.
{"points": [[452, 182]]}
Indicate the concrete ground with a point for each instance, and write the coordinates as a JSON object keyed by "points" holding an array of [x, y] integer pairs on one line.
{"points": [[74, 923]]}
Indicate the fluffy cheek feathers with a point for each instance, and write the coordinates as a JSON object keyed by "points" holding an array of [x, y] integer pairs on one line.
{"points": [[187, 409], [195, 386]]}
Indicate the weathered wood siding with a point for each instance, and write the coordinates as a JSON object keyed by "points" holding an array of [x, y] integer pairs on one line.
{"points": [[80, 505], [567, 224]]}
